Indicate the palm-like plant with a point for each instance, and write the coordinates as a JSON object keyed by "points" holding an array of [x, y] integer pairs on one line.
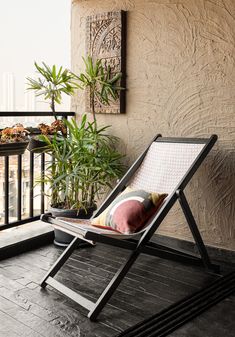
{"points": [[101, 83], [85, 162], [52, 83], [80, 170]]}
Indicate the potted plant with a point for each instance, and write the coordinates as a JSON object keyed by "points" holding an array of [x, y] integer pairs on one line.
{"points": [[55, 128], [84, 164], [51, 84], [13, 140]]}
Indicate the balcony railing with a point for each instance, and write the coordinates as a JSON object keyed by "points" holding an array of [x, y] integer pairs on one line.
{"points": [[18, 182]]}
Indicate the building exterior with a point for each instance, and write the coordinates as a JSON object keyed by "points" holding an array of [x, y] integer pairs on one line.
{"points": [[29, 100], [8, 92], [13, 189]]}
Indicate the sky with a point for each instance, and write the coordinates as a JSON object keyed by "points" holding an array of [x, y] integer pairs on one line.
{"points": [[33, 30]]}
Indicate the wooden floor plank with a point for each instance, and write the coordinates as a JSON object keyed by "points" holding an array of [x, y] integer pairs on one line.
{"points": [[166, 268], [136, 278], [128, 291], [49, 310], [141, 274], [36, 323], [121, 299], [11, 327]]}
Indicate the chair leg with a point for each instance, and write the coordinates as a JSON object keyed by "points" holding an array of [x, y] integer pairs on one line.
{"points": [[195, 232], [60, 261], [112, 286]]}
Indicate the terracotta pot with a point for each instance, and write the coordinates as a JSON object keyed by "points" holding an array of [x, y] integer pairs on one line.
{"points": [[63, 239]]}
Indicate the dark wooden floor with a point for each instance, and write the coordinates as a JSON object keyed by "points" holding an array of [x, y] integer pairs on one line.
{"points": [[152, 284]]}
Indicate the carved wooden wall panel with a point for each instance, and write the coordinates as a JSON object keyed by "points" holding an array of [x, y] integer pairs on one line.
{"points": [[106, 40]]}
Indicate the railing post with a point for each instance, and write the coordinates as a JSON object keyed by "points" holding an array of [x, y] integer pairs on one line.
{"points": [[6, 190], [42, 183], [19, 188], [31, 183]]}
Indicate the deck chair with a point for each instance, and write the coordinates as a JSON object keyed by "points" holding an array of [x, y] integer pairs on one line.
{"points": [[167, 165]]}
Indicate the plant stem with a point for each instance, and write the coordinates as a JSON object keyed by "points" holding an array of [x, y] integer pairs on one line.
{"points": [[92, 92], [53, 106]]}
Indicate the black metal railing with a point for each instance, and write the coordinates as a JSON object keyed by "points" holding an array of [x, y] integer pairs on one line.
{"points": [[18, 218]]}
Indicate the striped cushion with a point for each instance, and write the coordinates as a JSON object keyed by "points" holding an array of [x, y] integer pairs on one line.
{"points": [[130, 211]]}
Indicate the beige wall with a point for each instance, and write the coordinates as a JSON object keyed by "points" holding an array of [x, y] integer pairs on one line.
{"points": [[181, 82]]}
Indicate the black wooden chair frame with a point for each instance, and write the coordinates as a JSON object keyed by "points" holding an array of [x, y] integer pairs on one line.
{"points": [[143, 245]]}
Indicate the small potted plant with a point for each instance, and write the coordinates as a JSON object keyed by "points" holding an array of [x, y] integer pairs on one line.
{"points": [[51, 84], [13, 140], [57, 127]]}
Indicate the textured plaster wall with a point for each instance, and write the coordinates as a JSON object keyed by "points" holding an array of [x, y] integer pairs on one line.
{"points": [[181, 82]]}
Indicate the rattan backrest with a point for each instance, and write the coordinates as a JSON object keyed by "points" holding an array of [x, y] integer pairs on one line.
{"points": [[164, 166]]}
